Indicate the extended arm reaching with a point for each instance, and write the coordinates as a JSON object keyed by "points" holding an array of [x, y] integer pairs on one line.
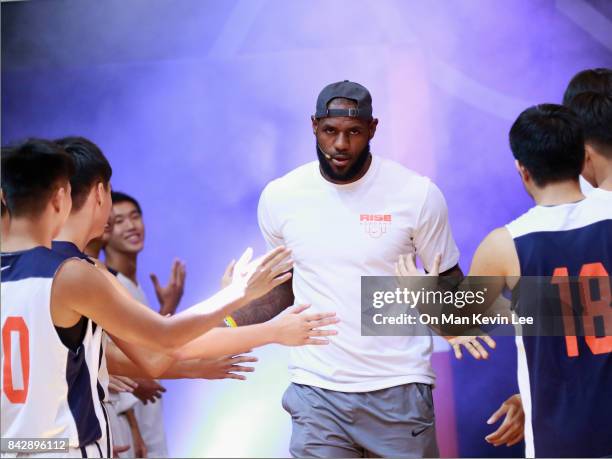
{"points": [[80, 289], [266, 307]]}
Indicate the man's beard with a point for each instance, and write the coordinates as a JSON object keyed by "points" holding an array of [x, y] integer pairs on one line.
{"points": [[352, 172]]}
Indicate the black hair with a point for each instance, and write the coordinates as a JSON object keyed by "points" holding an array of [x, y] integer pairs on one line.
{"points": [[31, 173], [595, 113], [91, 167], [118, 197], [547, 140], [593, 80]]}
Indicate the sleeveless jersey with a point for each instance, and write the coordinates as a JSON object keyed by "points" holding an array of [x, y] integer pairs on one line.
{"points": [[565, 381], [48, 390]]}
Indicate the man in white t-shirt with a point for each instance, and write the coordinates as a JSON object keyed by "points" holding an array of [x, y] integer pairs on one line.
{"points": [[347, 215]]}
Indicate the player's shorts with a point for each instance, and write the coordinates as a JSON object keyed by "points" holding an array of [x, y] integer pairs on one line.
{"points": [[394, 422]]}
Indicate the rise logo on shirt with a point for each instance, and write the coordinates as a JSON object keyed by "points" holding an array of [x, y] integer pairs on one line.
{"points": [[375, 225]]}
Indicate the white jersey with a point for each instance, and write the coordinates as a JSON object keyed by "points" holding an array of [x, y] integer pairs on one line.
{"points": [[48, 390], [338, 233], [150, 417]]}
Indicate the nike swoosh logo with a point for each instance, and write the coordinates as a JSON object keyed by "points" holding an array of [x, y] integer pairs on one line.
{"points": [[4, 267], [418, 432]]}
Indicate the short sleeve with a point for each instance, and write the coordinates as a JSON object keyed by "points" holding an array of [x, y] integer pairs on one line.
{"points": [[433, 233], [267, 220]]}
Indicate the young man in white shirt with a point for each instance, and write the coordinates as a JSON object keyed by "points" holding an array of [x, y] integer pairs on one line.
{"points": [[347, 215], [595, 112], [597, 80]]}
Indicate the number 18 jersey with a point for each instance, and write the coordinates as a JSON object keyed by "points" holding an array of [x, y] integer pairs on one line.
{"points": [[566, 381]]}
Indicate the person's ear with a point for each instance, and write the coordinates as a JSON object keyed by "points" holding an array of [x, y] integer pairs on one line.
{"points": [[315, 124], [589, 165], [100, 193], [372, 127], [59, 198], [523, 172]]}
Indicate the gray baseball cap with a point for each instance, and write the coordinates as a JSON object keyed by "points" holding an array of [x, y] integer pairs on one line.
{"points": [[348, 90]]}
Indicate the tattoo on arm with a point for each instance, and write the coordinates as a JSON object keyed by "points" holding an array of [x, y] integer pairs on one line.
{"points": [[268, 306]]}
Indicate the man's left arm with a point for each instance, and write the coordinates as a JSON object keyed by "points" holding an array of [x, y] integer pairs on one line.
{"points": [[433, 238]]}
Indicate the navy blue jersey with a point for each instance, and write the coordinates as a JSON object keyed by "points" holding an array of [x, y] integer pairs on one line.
{"points": [[566, 381]]}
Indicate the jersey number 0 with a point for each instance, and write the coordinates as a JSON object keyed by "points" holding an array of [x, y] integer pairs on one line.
{"points": [[15, 325]]}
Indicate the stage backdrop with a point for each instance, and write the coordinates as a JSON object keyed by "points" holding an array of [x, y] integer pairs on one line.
{"points": [[198, 104]]}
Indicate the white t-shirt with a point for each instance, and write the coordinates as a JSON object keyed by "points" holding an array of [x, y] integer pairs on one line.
{"points": [[150, 417], [585, 186], [338, 233], [600, 193]]}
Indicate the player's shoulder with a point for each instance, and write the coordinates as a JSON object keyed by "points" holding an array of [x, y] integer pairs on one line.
{"points": [[563, 217], [495, 255], [295, 179], [301, 174], [400, 175], [499, 237], [38, 262], [78, 272], [523, 223]]}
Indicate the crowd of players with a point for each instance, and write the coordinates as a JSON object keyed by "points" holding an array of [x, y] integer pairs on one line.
{"points": [[83, 352]]}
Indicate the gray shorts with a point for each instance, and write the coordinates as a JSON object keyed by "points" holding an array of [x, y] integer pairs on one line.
{"points": [[394, 422]]}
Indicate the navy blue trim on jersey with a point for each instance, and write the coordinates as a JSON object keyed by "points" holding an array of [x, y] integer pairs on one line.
{"points": [[69, 249], [80, 398], [39, 262], [99, 449]]}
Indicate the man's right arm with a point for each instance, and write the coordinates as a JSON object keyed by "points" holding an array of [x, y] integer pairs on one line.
{"points": [[269, 218], [266, 307]]}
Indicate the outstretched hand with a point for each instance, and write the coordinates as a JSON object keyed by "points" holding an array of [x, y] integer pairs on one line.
{"points": [[512, 429], [293, 328], [259, 276], [226, 367], [148, 390], [170, 295], [406, 266], [121, 384], [472, 345], [228, 275]]}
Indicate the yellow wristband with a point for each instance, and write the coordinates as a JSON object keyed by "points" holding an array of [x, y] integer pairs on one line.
{"points": [[230, 322]]}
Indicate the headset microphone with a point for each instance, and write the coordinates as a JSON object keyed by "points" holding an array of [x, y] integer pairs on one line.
{"points": [[322, 151]]}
